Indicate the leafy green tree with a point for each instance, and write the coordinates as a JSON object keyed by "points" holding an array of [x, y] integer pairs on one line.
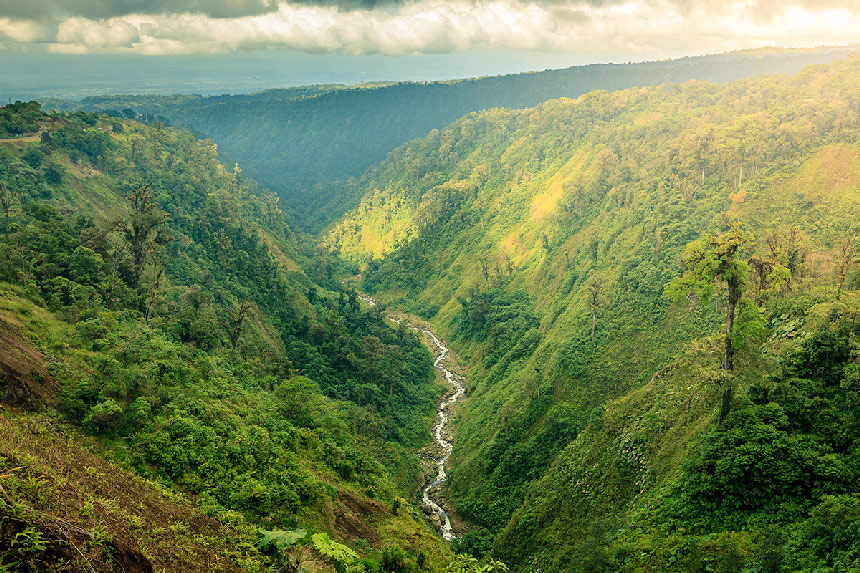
{"points": [[594, 299], [844, 262], [8, 200], [468, 564], [709, 262], [104, 415], [300, 400], [832, 534], [235, 319], [85, 266], [144, 229]]}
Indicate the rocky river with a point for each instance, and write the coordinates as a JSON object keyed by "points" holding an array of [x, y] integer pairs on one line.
{"points": [[432, 499]]}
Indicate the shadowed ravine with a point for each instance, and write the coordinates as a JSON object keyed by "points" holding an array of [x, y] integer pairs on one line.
{"points": [[431, 495]]}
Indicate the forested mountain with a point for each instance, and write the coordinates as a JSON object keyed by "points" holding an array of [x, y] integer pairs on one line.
{"points": [[303, 143], [586, 257], [653, 292], [156, 310]]}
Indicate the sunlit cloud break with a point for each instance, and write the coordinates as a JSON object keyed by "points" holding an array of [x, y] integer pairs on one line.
{"points": [[645, 27]]}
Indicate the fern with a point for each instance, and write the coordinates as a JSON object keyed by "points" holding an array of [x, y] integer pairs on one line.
{"points": [[337, 552], [280, 540]]}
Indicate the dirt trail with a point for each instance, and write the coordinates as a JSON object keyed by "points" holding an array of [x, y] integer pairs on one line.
{"points": [[25, 139], [37, 137]]}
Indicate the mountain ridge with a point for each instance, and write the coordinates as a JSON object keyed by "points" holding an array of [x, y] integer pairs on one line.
{"points": [[304, 149]]}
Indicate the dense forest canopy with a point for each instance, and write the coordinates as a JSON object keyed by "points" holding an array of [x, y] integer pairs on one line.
{"points": [[191, 332], [624, 415], [19, 119], [303, 143], [653, 294]]}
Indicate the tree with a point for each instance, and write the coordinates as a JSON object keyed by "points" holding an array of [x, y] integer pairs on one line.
{"points": [[761, 269], [788, 248], [844, 262], [594, 299], [712, 261], [235, 318], [485, 270], [144, 229], [157, 274], [354, 305], [8, 199]]}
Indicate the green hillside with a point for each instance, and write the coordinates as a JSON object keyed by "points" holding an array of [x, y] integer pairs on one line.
{"points": [[156, 309], [304, 143], [653, 293], [602, 431]]}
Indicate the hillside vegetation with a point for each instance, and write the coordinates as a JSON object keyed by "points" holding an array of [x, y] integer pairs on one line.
{"points": [[304, 143], [157, 307], [654, 292], [605, 429]]}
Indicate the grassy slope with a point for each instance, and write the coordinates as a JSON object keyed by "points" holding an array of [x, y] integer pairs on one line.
{"points": [[97, 516], [88, 511], [608, 188]]}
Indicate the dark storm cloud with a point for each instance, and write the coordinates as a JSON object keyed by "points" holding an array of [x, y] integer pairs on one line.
{"points": [[96, 9], [52, 9]]}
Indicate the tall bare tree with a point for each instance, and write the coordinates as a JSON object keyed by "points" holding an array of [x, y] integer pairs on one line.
{"points": [[715, 260]]}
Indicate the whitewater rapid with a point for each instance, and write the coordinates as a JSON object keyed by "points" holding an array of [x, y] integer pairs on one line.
{"points": [[442, 419]]}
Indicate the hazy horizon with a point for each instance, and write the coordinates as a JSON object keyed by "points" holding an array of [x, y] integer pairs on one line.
{"points": [[76, 76], [67, 76]]}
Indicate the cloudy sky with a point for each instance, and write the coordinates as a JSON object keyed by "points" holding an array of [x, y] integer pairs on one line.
{"points": [[397, 31]]}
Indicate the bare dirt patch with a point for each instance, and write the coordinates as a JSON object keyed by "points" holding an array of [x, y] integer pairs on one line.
{"points": [[350, 515], [24, 378]]}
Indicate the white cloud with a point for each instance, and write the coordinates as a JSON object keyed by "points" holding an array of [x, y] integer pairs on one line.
{"points": [[647, 28], [25, 31], [85, 33]]}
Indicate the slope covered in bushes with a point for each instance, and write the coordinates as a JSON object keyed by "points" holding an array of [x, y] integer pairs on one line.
{"points": [[601, 431], [162, 305]]}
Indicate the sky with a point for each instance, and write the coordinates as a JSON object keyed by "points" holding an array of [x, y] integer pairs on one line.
{"points": [[270, 43]]}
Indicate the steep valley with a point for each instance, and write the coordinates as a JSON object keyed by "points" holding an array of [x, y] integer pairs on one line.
{"points": [[651, 293]]}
